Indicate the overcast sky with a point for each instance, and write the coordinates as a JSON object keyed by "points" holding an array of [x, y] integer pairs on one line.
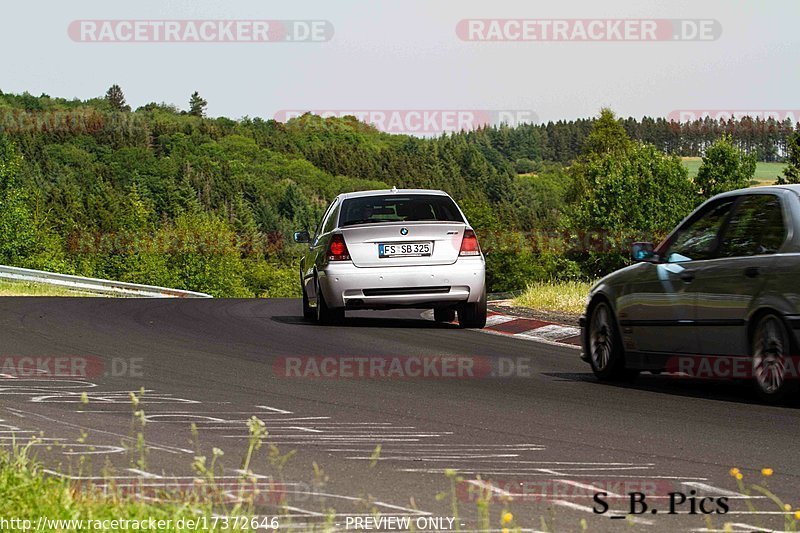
{"points": [[405, 54]]}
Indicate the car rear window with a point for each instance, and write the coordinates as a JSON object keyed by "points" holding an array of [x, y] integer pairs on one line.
{"points": [[399, 208]]}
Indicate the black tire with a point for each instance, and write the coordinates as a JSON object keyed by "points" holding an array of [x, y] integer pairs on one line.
{"points": [[308, 312], [325, 315], [445, 314], [606, 354], [771, 349], [473, 315]]}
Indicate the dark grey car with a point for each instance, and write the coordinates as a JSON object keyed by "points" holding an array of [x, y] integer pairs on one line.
{"points": [[724, 286]]}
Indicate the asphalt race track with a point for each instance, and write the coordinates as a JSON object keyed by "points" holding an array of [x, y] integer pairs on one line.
{"points": [[545, 435]]}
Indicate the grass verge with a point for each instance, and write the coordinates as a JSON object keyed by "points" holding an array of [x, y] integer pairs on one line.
{"points": [[556, 296], [27, 288], [29, 493]]}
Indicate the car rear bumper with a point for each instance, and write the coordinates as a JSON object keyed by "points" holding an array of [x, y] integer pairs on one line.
{"points": [[345, 285]]}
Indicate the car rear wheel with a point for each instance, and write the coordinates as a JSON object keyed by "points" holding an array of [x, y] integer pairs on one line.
{"points": [[444, 314], [771, 352], [473, 315], [325, 315], [308, 311], [605, 347]]}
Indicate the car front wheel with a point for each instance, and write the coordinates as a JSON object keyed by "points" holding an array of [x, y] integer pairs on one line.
{"points": [[605, 346]]}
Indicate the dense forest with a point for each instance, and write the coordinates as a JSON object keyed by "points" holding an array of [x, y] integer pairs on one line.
{"points": [[163, 196]]}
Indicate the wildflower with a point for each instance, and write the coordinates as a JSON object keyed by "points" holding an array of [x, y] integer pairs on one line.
{"points": [[505, 530], [739, 476], [766, 472], [734, 471], [507, 517], [797, 515]]}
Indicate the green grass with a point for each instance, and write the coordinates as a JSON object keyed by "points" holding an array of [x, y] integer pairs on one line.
{"points": [[28, 493], [27, 288], [766, 173], [557, 296]]}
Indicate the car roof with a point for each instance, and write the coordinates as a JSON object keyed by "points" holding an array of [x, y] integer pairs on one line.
{"points": [[383, 192], [795, 188]]}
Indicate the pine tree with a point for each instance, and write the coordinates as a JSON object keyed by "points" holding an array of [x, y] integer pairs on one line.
{"points": [[791, 174], [197, 105], [116, 98]]}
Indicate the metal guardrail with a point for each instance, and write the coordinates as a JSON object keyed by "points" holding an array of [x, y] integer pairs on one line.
{"points": [[102, 286]]}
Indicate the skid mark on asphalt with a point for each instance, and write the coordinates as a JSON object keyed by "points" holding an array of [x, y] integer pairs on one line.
{"points": [[284, 427], [570, 485], [435, 452]]}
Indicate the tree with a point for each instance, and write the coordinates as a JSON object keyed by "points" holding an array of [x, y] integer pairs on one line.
{"points": [[526, 166], [607, 135], [16, 221], [724, 168], [116, 98], [640, 190], [197, 105], [791, 174], [622, 191]]}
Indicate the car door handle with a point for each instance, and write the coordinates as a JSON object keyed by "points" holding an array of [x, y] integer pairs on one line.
{"points": [[752, 272], [687, 276]]}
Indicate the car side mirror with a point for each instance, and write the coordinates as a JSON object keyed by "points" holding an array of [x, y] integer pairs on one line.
{"points": [[302, 237], [643, 251]]}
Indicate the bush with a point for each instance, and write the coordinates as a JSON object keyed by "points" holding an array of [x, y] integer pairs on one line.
{"points": [[512, 270], [724, 168], [270, 280], [526, 166]]}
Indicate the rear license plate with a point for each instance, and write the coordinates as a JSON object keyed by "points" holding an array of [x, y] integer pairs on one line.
{"points": [[405, 249]]}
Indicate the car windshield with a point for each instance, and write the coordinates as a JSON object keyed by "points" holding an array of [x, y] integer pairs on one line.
{"points": [[399, 208]]}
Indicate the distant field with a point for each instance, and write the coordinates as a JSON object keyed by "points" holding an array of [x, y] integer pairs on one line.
{"points": [[766, 173]]}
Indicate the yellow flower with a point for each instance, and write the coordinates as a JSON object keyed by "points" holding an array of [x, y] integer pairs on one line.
{"points": [[787, 507], [505, 530], [734, 471], [797, 515], [766, 472], [507, 517], [739, 476]]}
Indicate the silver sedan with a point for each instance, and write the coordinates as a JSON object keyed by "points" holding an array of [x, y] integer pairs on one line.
{"points": [[398, 248]]}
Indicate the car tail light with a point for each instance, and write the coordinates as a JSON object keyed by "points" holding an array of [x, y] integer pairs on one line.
{"points": [[337, 249], [469, 244]]}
